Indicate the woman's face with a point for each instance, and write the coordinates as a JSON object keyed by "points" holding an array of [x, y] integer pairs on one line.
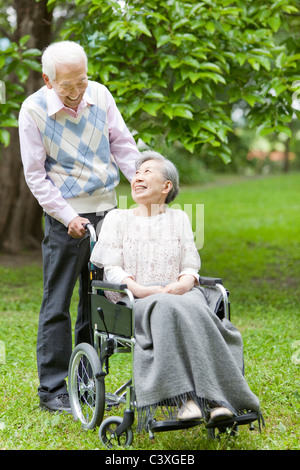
{"points": [[149, 186]]}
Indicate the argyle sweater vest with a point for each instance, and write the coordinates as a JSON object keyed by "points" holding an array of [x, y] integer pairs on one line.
{"points": [[78, 159]]}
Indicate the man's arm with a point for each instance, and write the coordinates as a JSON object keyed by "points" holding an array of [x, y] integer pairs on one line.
{"points": [[33, 157]]}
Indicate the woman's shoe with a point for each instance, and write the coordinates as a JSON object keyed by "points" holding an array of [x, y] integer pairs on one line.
{"points": [[217, 414], [189, 411]]}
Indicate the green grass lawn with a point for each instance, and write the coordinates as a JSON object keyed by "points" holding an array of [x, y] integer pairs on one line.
{"points": [[252, 241]]}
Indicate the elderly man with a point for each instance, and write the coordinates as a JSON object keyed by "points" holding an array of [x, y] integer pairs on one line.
{"points": [[73, 142]]}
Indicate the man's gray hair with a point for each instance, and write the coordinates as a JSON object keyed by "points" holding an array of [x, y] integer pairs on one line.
{"points": [[169, 171], [63, 52]]}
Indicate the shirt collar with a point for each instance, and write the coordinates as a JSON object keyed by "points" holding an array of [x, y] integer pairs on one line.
{"points": [[54, 103]]}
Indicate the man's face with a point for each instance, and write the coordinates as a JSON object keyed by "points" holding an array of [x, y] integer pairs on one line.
{"points": [[70, 83]]}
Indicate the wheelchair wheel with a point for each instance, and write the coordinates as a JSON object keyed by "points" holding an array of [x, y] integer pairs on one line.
{"points": [[86, 387], [108, 436]]}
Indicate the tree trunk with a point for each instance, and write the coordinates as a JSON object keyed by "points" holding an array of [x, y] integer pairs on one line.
{"points": [[20, 215]]}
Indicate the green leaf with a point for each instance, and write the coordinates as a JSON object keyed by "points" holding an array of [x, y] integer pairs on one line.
{"points": [[22, 73], [180, 111], [254, 63], [162, 40], [151, 108], [293, 58], [155, 95], [241, 58], [190, 146], [225, 157], [4, 137], [51, 2], [267, 130], [265, 62], [31, 52], [279, 88], [187, 37], [274, 22], [252, 99], [192, 62], [210, 66], [9, 122], [197, 90], [32, 64], [280, 60], [168, 110], [210, 26], [140, 26], [194, 77], [134, 106], [24, 39], [285, 130]]}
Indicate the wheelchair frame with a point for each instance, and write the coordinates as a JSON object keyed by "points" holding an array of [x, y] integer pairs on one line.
{"points": [[113, 332]]}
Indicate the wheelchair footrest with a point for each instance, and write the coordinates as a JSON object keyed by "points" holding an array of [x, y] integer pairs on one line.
{"points": [[161, 426], [235, 420]]}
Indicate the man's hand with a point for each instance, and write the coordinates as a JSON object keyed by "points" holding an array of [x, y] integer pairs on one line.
{"points": [[76, 228]]}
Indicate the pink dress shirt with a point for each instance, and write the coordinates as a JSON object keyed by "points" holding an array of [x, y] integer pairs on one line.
{"points": [[122, 146]]}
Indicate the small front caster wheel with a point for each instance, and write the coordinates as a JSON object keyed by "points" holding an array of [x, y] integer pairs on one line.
{"points": [[108, 436], [212, 434]]}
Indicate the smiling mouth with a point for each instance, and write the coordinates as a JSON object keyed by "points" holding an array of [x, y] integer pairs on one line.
{"points": [[73, 99], [140, 187]]}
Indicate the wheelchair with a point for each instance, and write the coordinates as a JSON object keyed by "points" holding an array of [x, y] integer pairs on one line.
{"points": [[112, 328]]}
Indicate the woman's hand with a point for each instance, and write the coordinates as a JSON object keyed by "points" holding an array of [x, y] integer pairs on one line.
{"points": [[140, 291], [183, 285]]}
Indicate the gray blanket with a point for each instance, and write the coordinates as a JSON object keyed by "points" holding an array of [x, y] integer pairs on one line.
{"points": [[182, 348]]}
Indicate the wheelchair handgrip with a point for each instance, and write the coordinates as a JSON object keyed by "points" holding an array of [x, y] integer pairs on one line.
{"points": [[91, 232]]}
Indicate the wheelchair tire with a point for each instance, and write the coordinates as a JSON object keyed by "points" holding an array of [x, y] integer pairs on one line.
{"points": [[107, 433], [86, 386]]}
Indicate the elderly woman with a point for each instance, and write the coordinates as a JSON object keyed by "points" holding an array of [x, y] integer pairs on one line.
{"points": [[185, 358]]}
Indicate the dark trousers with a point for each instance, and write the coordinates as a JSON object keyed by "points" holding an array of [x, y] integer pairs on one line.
{"points": [[63, 262]]}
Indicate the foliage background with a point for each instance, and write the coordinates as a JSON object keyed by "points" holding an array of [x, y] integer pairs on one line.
{"points": [[205, 82], [181, 72]]}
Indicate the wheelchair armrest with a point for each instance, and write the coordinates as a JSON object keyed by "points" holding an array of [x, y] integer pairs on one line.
{"points": [[121, 288], [217, 282], [209, 281], [109, 286]]}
